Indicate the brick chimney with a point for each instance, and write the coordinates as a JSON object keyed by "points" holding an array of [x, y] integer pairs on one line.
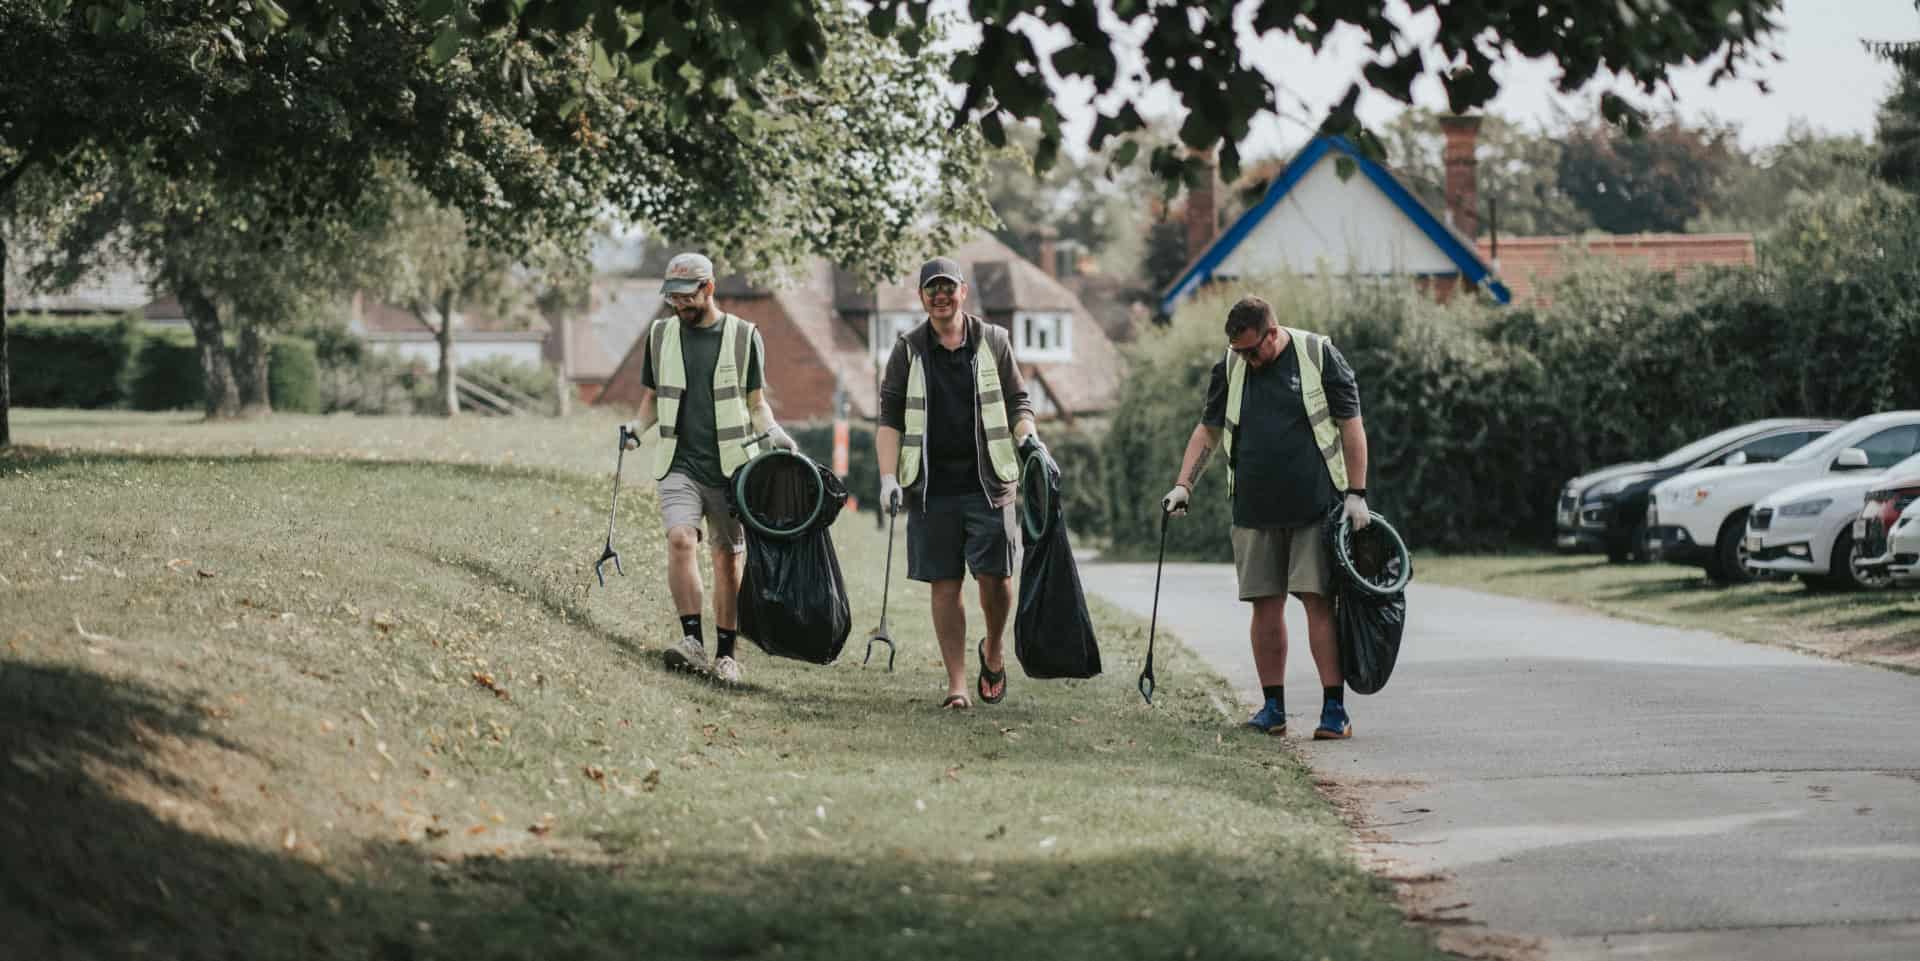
{"points": [[1203, 212], [1046, 250], [1463, 191]]}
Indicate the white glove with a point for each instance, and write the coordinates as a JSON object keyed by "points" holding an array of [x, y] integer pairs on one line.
{"points": [[890, 493], [1175, 502], [630, 435], [1357, 514], [779, 437]]}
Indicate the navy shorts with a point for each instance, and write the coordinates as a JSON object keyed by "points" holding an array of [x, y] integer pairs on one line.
{"points": [[952, 534]]}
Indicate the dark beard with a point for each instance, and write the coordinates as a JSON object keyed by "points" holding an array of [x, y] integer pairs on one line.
{"points": [[693, 321]]}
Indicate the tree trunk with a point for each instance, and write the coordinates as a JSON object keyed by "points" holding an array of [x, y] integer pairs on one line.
{"points": [[448, 374], [252, 363], [223, 397], [6, 380]]}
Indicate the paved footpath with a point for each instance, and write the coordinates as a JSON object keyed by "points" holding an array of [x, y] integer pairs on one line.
{"points": [[1612, 789]]}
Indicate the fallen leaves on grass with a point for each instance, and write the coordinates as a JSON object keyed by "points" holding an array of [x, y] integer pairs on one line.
{"points": [[596, 774], [651, 781], [486, 680]]}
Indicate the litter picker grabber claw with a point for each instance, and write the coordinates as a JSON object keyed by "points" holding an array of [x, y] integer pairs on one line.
{"points": [[880, 635], [1153, 623], [609, 554]]}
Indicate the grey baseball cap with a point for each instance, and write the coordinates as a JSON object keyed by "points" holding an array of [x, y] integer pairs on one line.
{"points": [[686, 272], [940, 267]]}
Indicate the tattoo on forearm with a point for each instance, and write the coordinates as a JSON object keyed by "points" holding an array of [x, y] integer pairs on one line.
{"points": [[1199, 466]]}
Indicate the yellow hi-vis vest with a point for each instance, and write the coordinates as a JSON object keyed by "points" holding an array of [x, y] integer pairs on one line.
{"points": [[988, 401], [1312, 351], [730, 418]]}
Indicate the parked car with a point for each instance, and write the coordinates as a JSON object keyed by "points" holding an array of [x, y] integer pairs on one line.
{"points": [[1807, 528], [1903, 545], [1605, 511], [1882, 547], [1700, 516]]}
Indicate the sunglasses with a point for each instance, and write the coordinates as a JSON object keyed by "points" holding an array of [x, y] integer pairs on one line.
{"points": [[682, 300], [940, 288], [1253, 350]]}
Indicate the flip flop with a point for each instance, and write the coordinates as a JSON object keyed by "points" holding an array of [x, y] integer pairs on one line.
{"points": [[956, 702], [996, 678]]}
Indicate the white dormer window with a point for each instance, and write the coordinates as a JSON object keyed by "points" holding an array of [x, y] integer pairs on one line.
{"points": [[884, 327], [1043, 336]]}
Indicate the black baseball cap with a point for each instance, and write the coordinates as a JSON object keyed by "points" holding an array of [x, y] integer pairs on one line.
{"points": [[940, 267]]}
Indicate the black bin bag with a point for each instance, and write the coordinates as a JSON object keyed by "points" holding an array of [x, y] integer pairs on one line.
{"points": [[793, 601], [1371, 568], [1052, 633]]}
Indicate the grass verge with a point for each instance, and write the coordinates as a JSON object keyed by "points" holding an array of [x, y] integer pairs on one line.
{"points": [[292, 707], [1876, 627]]}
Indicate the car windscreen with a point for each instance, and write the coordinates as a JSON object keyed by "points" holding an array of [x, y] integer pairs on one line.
{"points": [[1704, 446]]}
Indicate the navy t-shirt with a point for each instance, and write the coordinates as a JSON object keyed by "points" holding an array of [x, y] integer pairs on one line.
{"points": [[1280, 479]]}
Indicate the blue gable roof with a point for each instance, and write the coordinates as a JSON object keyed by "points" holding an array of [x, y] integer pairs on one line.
{"points": [[1472, 268]]}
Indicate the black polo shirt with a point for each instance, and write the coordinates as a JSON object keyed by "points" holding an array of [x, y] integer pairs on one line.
{"points": [[953, 460]]}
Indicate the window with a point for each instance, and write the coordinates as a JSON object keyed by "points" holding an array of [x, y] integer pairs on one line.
{"points": [[1043, 336], [884, 328], [1768, 449], [1891, 446]]}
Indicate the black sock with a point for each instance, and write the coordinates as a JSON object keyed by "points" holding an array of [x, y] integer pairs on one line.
{"points": [[1331, 694], [690, 626], [1277, 694], [725, 634]]}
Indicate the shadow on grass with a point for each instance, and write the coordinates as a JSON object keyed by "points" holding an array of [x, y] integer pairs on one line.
{"points": [[86, 872]]}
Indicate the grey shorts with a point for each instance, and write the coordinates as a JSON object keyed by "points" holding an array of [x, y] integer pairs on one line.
{"points": [[684, 501], [956, 533], [1280, 562]]}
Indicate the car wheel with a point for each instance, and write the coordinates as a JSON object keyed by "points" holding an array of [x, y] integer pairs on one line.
{"points": [[1845, 575], [1619, 550], [1728, 565]]}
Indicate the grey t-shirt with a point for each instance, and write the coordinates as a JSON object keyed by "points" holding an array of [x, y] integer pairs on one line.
{"points": [[696, 452], [1280, 480]]}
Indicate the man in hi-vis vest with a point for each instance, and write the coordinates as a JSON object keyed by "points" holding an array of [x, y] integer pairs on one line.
{"points": [[703, 400], [1284, 405], [954, 417]]}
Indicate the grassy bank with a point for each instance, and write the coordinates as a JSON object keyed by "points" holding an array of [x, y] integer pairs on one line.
{"points": [[1879, 627], [265, 707]]}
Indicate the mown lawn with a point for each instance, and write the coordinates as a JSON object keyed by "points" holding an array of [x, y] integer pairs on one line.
{"points": [[267, 707], [1879, 627]]}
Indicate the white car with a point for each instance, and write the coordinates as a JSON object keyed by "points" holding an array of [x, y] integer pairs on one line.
{"points": [[1807, 529], [1886, 535], [1700, 517], [1903, 546]]}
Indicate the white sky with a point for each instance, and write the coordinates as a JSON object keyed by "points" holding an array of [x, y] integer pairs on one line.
{"points": [[1826, 78]]}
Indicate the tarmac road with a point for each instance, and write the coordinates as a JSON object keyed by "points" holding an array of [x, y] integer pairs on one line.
{"points": [[1602, 788]]}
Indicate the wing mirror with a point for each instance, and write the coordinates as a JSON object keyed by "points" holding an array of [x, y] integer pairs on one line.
{"points": [[1853, 458], [1735, 459]]}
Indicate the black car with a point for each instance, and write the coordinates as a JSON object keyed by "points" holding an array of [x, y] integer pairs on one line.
{"points": [[1606, 510]]}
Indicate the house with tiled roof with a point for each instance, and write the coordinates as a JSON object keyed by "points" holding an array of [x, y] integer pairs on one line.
{"points": [[830, 336], [1335, 211]]}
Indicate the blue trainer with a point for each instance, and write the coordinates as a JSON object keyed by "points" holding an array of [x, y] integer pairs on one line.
{"points": [[1334, 723], [1270, 719]]}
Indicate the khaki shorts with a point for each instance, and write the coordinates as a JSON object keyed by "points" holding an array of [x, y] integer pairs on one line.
{"points": [[1280, 562], [684, 501]]}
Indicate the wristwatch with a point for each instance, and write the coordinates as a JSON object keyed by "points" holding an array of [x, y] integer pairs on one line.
{"points": [[1359, 492]]}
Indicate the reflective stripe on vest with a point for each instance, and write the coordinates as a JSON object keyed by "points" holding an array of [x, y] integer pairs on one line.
{"points": [[989, 400], [1312, 353], [730, 418]]}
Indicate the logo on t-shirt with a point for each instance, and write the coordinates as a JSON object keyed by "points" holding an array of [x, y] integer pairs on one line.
{"points": [[1293, 383]]}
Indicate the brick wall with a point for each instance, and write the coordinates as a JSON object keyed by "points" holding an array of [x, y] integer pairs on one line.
{"points": [[799, 382]]}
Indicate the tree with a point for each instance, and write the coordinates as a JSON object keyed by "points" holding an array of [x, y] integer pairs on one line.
{"points": [[1656, 182], [1898, 124], [1761, 189], [1518, 173], [1076, 198], [298, 105], [433, 267]]}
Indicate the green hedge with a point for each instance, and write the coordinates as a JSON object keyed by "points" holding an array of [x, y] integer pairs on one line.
{"points": [[101, 362], [71, 362], [1477, 414]]}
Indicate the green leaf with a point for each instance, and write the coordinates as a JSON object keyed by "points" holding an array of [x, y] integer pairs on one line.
{"points": [[134, 16], [1124, 157], [880, 20], [991, 129], [55, 9], [432, 10], [602, 64], [445, 45]]}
